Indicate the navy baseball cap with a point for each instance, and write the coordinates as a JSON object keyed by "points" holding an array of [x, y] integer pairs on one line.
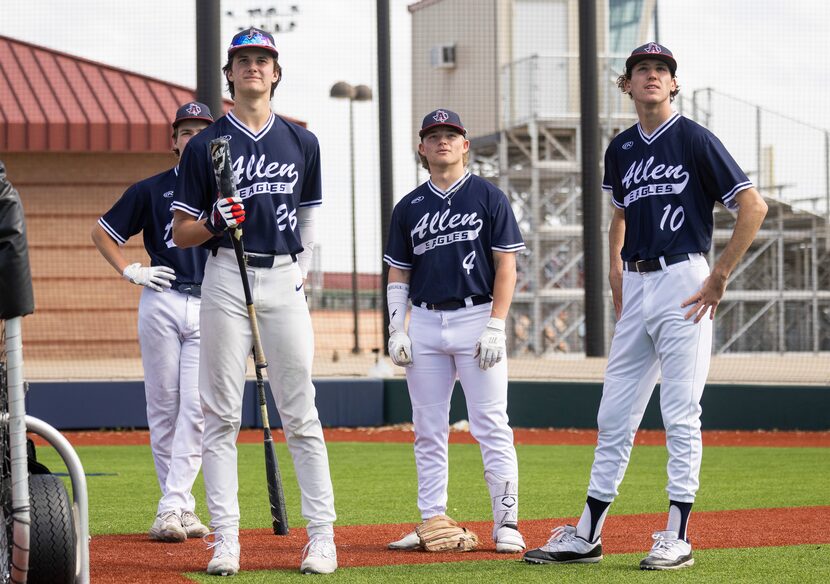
{"points": [[253, 38], [651, 51], [441, 117], [192, 110]]}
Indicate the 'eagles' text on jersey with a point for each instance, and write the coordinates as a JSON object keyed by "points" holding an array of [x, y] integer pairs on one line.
{"points": [[277, 171], [446, 238], [145, 206], [668, 183]]}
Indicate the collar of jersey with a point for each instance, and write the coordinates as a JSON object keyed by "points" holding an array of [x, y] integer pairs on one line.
{"points": [[451, 190], [247, 131], [661, 129]]}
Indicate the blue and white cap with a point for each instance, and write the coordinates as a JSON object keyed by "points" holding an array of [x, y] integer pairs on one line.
{"points": [[441, 117], [193, 110], [651, 51], [253, 38]]}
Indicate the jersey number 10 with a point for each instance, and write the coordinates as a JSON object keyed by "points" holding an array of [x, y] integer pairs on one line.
{"points": [[675, 220]]}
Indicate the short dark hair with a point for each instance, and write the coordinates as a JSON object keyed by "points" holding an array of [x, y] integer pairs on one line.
{"points": [[229, 65]]}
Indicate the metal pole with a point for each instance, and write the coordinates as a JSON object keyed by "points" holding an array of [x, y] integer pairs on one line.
{"points": [[758, 157], [827, 190], [385, 147], [356, 347], [591, 191], [208, 64]]}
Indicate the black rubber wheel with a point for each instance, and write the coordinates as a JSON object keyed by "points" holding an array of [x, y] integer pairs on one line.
{"points": [[52, 532]]}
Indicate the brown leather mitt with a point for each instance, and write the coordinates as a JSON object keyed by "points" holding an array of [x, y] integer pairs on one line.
{"points": [[442, 534]]}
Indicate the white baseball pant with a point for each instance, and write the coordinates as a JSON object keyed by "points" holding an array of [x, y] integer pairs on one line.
{"points": [[168, 331], [288, 343], [443, 347], [652, 338]]}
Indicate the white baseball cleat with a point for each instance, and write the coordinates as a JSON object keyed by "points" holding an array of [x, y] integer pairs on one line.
{"points": [[508, 539], [565, 547], [319, 555], [225, 561], [409, 542], [192, 525], [168, 527], [668, 553]]}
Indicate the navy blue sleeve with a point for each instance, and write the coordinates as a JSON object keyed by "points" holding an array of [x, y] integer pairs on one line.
{"points": [[128, 215], [398, 247], [720, 175], [312, 194], [505, 236], [610, 180], [195, 190]]}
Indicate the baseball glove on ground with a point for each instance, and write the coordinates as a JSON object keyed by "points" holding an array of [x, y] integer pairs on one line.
{"points": [[442, 534]]}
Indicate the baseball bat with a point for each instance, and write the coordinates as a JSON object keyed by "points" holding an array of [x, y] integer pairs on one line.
{"points": [[220, 155]]}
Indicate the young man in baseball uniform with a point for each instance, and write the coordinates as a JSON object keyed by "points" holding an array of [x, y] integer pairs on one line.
{"points": [[168, 329], [452, 247], [277, 168], [665, 175]]}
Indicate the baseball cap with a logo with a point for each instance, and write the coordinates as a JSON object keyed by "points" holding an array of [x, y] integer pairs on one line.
{"points": [[253, 38], [441, 117], [651, 51], [192, 110]]}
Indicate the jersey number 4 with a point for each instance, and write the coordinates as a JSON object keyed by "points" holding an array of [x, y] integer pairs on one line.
{"points": [[283, 217], [675, 219]]}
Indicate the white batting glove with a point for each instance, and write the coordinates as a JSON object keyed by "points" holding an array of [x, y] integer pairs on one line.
{"points": [[400, 348], [492, 344], [155, 277], [227, 212]]}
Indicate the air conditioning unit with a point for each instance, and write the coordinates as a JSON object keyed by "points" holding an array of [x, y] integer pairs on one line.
{"points": [[443, 56]]}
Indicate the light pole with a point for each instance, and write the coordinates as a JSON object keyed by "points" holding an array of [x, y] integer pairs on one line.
{"points": [[343, 90]]}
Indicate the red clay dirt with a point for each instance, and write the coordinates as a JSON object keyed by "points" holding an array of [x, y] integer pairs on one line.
{"points": [[539, 436], [133, 559]]}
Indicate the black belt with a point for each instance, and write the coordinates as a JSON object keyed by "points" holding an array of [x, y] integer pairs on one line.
{"points": [[264, 261], [654, 264], [454, 304], [189, 289]]}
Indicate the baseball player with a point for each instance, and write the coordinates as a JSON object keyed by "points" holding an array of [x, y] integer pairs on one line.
{"points": [[277, 167], [665, 175], [168, 329], [451, 250]]}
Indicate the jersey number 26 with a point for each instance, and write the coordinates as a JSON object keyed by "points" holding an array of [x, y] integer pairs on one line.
{"points": [[284, 216]]}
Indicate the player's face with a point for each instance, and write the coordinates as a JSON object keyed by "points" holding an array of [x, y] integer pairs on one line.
{"points": [[443, 147], [651, 82], [253, 72], [185, 131]]}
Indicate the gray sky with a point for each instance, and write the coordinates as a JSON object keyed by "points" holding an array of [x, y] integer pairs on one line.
{"points": [[767, 52]]}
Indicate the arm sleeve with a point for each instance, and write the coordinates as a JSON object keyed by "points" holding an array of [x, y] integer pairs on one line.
{"points": [[312, 193], [195, 190], [307, 223], [721, 176], [127, 216], [506, 236], [610, 182], [398, 251]]}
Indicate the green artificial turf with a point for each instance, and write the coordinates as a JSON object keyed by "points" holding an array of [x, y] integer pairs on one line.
{"points": [[803, 564], [376, 482]]}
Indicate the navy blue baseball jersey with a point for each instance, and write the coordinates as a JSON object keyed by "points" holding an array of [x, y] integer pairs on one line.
{"points": [[145, 206], [277, 170], [668, 183], [446, 238]]}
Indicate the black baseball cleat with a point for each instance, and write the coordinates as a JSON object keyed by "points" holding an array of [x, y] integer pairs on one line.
{"points": [[565, 547]]}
